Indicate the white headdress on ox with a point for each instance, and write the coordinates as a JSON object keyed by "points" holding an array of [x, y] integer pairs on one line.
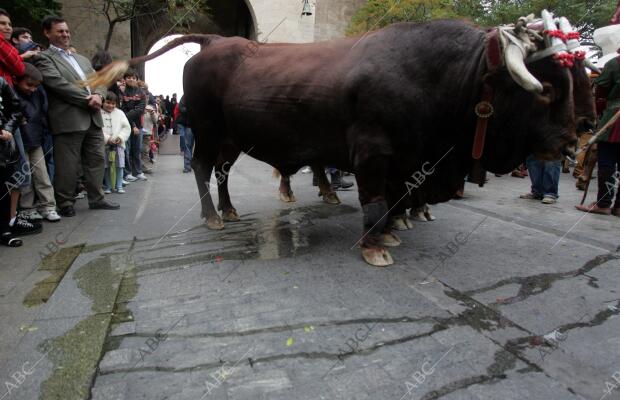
{"points": [[521, 44]]}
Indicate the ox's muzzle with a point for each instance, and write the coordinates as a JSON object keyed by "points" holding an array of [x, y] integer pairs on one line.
{"points": [[585, 124]]}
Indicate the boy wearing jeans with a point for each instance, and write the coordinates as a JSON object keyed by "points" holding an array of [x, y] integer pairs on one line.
{"points": [[133, 103], [116, 131], [34, 122]]}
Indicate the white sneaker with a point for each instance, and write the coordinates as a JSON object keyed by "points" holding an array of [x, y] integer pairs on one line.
{"points": [[107, 191], [125, 183], [51, 215], [131, 178], [142, 177], [79, 196], [306, 170], [30, 215], [121, 190]]}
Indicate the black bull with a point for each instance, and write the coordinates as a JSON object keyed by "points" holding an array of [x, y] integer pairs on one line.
{"points": [[380, 106]]}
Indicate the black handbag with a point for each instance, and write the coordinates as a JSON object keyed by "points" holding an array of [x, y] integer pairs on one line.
{"points": [[8, 152]]}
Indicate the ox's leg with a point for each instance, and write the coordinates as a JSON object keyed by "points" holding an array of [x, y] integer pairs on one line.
{"points": [[286, 192], [371, 176], [202, 172], [422, 213], [398, 200], [398, 215], [228, 156], [325, 188]]}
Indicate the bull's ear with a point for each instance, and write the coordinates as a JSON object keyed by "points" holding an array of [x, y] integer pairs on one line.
{"points": [[548, 94]]}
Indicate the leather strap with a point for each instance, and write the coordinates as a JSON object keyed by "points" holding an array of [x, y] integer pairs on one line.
{"points": [[484, 109]]}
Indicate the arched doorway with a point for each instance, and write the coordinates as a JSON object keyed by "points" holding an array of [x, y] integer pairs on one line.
{"points": [[226, 18], [165, 73]]}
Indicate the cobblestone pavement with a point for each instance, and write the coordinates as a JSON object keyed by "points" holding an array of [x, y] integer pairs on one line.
{"points": [[499, 298]]}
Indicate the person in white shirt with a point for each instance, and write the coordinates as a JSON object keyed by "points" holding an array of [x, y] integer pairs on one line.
{"points": [[116, 131], [149, 128]]}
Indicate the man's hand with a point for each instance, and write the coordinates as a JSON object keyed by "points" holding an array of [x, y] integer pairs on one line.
{"points": [[6, 135], [135, 130], [117, 140], [94, 101], [29, 54]]}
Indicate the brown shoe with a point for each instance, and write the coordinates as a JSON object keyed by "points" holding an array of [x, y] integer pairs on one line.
{"points": [[594, 209]]}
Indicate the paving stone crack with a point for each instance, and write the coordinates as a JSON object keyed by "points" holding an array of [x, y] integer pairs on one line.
{"points": [[537, 284], [307, 355], [301, 325]]}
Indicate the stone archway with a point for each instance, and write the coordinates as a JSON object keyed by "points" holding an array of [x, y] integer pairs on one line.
{"points": [[228, 18]]}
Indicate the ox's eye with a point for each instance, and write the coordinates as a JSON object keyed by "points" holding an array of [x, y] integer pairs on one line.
{"points": [[548, 94]]}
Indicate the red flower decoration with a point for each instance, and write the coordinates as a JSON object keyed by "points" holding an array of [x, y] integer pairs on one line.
{"points": [[555, 33], [564, 59], [579, 55]]}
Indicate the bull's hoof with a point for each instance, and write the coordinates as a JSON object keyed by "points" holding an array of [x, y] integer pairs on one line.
{"points": [[389, 239], [230, 215], [215, 223], [377, 257], [400, 223], [429, 216], [331, 198], [418, 215], [288, 197]]}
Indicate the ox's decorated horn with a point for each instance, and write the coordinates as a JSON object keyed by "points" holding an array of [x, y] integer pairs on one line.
{"points": [[555, 38], [572, 43], [514, 55], [517, 45]]}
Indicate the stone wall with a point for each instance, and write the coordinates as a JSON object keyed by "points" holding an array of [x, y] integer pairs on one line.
{"points": [[273, 21], [88, 29], [333, 16]]}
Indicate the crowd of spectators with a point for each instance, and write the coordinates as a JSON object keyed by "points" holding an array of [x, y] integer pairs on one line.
{"points": [[62, 141]]}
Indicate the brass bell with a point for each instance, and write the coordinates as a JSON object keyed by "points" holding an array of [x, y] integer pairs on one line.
{"points": [[307, 10]]}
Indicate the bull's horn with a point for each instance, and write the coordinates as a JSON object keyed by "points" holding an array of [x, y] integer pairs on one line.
{"points": [[516, 67], [588, 63]]}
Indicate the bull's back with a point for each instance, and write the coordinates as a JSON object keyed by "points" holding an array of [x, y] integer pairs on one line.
{"points": [[292, 95]]}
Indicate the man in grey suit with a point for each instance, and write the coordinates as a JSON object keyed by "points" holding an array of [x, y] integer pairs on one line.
{"points": [[75, 119]]}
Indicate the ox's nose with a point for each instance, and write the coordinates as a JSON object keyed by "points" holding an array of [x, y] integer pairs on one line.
{"points": [[585, 124], [569, 154]]}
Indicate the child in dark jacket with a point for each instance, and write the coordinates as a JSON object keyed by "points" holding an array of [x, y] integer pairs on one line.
{"points": [[133, 103], [34, 124]]}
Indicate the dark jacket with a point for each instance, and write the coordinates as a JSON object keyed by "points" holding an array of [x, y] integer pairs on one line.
{"points": [[181, 118], [34, 121], [10, 114], [10, 111], [133, 103]]}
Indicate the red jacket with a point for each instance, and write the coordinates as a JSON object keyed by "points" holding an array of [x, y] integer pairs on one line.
{"points": [[175, 113], [11, 63]]}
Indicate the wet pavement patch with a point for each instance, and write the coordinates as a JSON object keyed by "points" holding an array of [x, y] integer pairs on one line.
{"points": [[76, 354], [57, 264]]}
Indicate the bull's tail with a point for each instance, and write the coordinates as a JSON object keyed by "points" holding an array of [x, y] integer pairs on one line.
{"points": [[111, 72]]}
